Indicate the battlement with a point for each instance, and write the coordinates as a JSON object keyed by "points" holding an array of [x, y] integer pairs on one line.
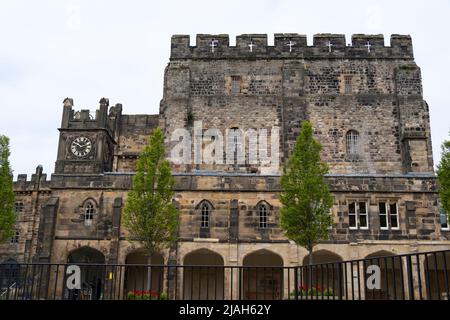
{"points": [[291, 45], [85, 118], [38, 180]]}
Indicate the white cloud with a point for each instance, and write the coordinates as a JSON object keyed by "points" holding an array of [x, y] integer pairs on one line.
{"points": [[73, 21], [374, 17]]}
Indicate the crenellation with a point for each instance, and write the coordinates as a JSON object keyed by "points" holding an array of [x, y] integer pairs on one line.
{"points": [[291, 45], [282, 39], [361, 41], [322, 40], [249, 43]]}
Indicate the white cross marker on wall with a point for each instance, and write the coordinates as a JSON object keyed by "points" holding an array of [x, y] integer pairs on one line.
{"points": [[290, 44], [329, 45], [251, 45], [368, 45], [213, 45]]}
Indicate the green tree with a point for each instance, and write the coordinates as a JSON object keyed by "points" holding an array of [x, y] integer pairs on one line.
{"points": [[443, 173], [149, 214], [306, 199], [7, 197]]}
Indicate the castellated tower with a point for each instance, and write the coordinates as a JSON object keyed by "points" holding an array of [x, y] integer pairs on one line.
{"points": [[365, 88], [364, 100]]}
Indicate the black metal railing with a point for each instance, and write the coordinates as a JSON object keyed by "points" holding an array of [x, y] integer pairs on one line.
{"points": [[397, 277]]}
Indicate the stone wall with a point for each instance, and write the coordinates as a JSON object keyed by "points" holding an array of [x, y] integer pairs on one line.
{"points": [[278, 87], [376, 93]]}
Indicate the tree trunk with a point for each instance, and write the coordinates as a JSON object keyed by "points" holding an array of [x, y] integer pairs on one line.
{"points": [[311, 274], [149, 273]]}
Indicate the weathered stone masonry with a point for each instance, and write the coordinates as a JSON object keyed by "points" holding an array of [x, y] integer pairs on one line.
{"points": [[377, 94]]}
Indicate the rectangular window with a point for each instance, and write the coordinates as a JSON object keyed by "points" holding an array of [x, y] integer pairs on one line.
{"points": [[235, 84], [363, 219], [19, 207], [15, 237], [383, 215], [388, 215], [352, 215], [348, 84], [358, 215], [393, 215], [444, 220]]}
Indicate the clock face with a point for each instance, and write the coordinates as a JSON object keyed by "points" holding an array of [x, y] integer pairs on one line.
{"points": [[81, 147]]}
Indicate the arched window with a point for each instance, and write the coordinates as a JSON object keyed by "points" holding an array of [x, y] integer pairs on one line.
{"points": [[235, 148], [89, 211], [205, 210], [262, 213], [352, 142]]}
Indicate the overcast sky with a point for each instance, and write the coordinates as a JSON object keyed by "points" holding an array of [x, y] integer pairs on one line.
{"points": [[86, 50]]}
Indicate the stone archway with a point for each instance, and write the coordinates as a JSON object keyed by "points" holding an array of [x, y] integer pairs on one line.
{"points": [[93, 274], [9, 274], [391, 276], [325, 276], [262, 275], [437, 265], [140, 277], [203, 275]]}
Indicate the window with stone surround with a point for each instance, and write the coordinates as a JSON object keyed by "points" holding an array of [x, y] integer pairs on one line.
{"points": [[353, 141], [235, 84], [89, 211], [205, 211], [388, 212], [262, 214], [15, 238], [443, 219], [358, 215], [348, 84], [18, 206]]}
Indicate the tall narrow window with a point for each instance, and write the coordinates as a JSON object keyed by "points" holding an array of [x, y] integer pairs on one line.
{"points": [[444, 220], [348, 84], [15, 237], [383, 215], [262, 216], [393, 215], [89, 211], [205, 215], [235, 84], [235, 147], [358, 215], [388, 215], [352, 142], [363, 219], [352, 215]]}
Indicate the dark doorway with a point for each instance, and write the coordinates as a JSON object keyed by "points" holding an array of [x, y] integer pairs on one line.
{"points": [[93, 274]]}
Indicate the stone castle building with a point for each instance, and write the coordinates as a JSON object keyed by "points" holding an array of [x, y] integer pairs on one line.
{"points": [[364, 101]]}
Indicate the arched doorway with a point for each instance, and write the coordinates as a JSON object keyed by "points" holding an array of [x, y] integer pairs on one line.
{"points": [[9, 274], [391, 276], [140, 277], [203, 275], [92, 267], [324, 277], [262, 275], [437, 275]]}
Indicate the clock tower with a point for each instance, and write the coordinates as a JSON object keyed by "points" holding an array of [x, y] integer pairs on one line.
{"points": [[87, 141]]}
